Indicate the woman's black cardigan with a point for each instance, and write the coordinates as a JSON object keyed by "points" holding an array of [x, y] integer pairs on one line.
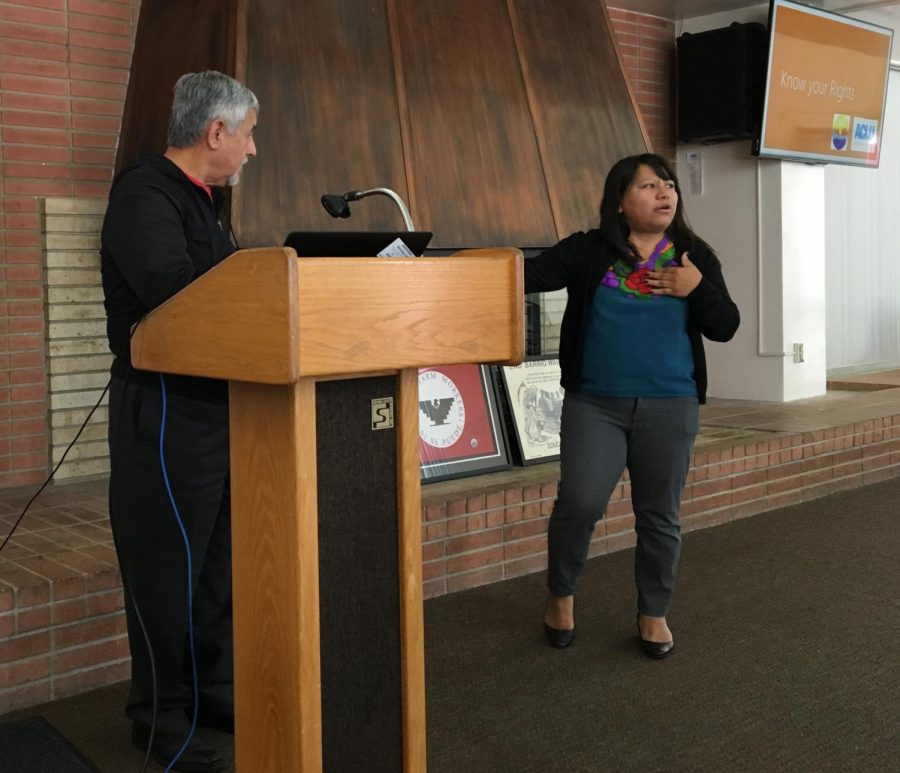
{"points": [[579, 262]]}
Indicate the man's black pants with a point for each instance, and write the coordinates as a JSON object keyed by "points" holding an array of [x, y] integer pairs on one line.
{"points": [[151, 548]]}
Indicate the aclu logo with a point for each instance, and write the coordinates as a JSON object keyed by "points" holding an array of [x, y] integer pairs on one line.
{"points": [[865, 134]]}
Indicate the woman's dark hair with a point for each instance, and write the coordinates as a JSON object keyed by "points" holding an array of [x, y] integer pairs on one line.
{"points": [[613, 227]]}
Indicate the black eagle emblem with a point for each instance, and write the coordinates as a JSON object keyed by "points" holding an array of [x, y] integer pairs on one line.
{"points": [[437, 410]]}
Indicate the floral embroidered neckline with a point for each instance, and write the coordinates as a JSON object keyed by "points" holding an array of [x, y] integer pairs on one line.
{"points": [[633, 279]]}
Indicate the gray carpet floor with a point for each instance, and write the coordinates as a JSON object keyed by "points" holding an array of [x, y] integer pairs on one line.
{"points": [[786, 627]]}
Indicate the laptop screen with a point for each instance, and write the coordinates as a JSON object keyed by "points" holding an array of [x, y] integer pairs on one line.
{"points": [[355, 244]]}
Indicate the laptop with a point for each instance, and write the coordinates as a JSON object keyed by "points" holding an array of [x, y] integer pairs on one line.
{"points": [[354, 244]]}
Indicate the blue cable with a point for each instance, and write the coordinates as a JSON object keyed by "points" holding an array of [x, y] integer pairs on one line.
{"points": [[187, 550]]}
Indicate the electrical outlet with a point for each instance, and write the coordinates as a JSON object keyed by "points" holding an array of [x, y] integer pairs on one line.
{"points": [[798, 352]]}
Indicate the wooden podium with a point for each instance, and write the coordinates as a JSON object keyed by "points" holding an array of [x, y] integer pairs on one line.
{"points": [[322, 356]]}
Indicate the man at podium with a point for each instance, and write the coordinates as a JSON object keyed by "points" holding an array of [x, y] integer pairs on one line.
{"points": [[169, 499]]}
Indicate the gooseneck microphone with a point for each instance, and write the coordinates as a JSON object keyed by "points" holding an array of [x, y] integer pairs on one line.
{"points": [[338, 204]]}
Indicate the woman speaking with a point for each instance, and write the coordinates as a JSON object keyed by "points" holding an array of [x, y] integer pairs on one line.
{"points": [[642, 290]]}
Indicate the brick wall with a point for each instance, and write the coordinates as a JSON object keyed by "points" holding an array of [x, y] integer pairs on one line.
{"points": [[61, 620], [492, 533], [62, 632], [63, 73], [647, 44]]}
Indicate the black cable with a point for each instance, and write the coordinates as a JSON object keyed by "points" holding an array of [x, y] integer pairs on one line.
{"points": [[55, 469], [233, 235], [137, 612], [125, 584]]}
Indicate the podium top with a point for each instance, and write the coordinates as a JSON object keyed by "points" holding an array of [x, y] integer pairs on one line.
{"points": [[265, 316], [353, 244]]}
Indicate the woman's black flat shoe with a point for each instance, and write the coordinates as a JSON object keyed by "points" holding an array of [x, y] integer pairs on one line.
{"points": [[559, 637], [657, 649], [654, 649]]}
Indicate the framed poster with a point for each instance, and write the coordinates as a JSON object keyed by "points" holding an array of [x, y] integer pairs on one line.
{"points": [[460, 430], [535, 408]]}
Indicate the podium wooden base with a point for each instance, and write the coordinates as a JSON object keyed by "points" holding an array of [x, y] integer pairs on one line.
{"points": [[326, 501], [346, 672]]}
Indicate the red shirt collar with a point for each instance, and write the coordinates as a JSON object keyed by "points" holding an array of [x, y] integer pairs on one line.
{"points": [[200, 184]]}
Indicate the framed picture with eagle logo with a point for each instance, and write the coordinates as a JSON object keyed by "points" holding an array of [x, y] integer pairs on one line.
{"points": [[460, 428]]}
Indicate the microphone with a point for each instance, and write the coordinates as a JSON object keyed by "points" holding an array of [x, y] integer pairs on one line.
{"points": [[338, 204]]}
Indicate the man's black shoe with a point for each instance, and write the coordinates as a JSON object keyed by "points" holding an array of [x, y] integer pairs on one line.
{"points": [[196, 758]]}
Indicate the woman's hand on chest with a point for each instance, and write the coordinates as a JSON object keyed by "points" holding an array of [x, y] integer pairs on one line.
{"points": [[677, 281]]}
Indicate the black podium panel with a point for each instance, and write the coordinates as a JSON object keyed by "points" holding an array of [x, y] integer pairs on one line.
{"points": [[359, 594]]}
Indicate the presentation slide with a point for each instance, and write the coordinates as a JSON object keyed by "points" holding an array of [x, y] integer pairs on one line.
{"points": [[826, 87]]}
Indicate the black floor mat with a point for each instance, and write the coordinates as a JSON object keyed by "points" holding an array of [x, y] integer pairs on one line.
{"points": [[32, 744]]}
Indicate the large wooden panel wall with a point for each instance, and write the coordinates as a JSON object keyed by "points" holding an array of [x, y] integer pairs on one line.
{"points": [[579, 99], [329, 122], [172, 38], [496, 120], [467, 111]]}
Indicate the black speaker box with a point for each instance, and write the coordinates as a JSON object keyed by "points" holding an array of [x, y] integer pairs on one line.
{"points": [[721, 76]]}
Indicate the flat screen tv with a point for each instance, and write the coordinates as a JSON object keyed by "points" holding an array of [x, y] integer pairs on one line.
{"points": [[826, 86]]}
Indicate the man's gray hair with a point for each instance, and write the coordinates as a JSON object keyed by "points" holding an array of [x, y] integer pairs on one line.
{"points": [[200, 98]]}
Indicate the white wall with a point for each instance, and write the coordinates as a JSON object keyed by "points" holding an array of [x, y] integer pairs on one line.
{"points": [[765, 220], [724, 214], [776, 225], [862, 258], [802, 214], [862, 255]]}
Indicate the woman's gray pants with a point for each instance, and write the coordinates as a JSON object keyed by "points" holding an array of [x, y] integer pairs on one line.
{"points": [[600, 437]]}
